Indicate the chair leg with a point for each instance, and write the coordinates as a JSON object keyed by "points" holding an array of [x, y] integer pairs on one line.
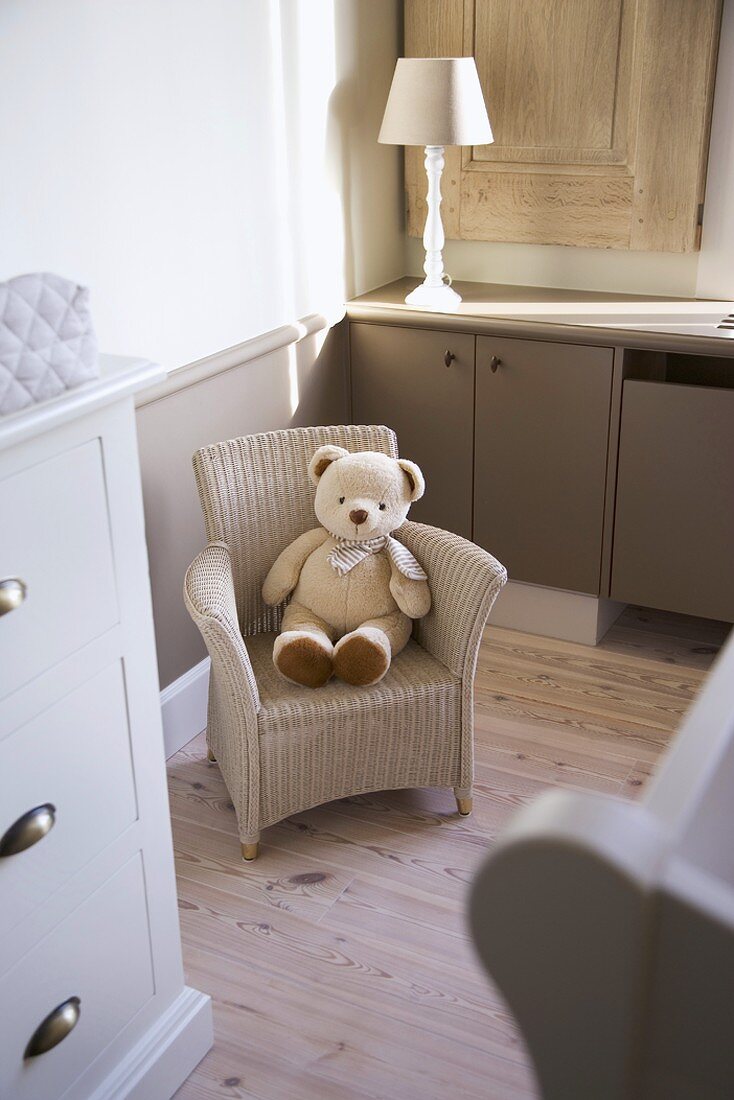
{"points": [[464, 801], [249, 851], [210, 756]]}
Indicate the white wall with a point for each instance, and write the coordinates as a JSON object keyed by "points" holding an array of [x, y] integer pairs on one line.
{"points": [[200, 164]]}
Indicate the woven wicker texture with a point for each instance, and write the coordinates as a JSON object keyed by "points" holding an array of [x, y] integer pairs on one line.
{"points": [[283, 748]]}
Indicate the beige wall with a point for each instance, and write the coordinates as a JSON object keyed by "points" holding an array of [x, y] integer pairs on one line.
{"points": [[302, 383]]}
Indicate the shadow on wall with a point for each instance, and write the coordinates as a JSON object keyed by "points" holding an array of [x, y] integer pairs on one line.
{"points": [[339, 166], [367, 176], [300, 384]]}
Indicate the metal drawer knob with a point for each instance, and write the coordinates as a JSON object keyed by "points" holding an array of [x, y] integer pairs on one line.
{"points": [[448, 357], [12, 593], [54, 1029], [28, 830], [494, 362]]}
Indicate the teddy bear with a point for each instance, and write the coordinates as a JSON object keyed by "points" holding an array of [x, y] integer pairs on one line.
{"points": [[354, 588]]}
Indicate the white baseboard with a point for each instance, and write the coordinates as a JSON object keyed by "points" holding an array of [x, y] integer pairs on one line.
{"points": [[183, 707], [570, 616], [160, 1063]]}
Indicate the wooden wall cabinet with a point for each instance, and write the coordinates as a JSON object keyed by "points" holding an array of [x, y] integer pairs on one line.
{"points": [[600, 111], [514, 457]]}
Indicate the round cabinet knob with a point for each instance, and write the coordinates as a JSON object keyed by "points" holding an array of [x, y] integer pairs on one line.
{"points": [[12, 593], [494, 362], [448, 357], [54, 1029], [28, 830]]}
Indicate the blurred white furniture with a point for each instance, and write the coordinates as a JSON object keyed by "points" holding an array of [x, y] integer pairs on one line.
{"points": [[609, 926], [91, 981], [435, 101]]}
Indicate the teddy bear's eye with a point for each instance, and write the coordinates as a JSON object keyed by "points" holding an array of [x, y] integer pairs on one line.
{"points": [[341, 500], [382, 507]]}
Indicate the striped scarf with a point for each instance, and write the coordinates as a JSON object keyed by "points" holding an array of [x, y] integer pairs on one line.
{"points": [[346, 554]]}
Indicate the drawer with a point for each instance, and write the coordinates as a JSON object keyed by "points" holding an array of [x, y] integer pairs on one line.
{"points": [[101, 954], [75, 755], [56, 539]]}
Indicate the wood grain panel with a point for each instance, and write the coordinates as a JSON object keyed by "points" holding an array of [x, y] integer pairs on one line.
{"points": [[339, 962], [678, 71], [502, 206], [538, 60]]}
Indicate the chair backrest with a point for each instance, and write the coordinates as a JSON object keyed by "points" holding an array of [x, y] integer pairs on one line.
{"points": [[257, 498]]}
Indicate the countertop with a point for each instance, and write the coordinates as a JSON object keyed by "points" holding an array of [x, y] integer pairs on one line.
{"points": [[625, 320]]}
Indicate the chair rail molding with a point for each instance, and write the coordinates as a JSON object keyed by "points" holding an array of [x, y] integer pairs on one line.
{"points": [[180, 378]]}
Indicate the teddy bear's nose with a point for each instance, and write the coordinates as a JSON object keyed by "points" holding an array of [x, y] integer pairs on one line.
{"points": [[358, 515]]}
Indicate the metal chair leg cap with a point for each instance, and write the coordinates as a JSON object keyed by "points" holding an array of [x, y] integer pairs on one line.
{"points": [[465, 806], [249, 852]]}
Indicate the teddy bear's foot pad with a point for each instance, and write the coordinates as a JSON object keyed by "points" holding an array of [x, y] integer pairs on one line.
{"points": [[303, 660], [361, 660]]}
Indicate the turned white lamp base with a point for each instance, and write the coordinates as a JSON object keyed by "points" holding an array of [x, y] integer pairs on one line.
{"points": [[433, 292], [434, 297]]}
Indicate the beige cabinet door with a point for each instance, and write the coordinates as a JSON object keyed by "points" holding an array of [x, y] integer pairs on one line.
{"points": [[600, 111], [674, 521], [400, 377], [541, 435]]}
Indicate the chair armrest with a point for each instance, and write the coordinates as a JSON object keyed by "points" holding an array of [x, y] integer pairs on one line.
{"points": [[464, 581], [210, 599]]}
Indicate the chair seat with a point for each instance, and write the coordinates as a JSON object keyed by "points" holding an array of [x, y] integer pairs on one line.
{"points": [[403, 731], [414, 672]]}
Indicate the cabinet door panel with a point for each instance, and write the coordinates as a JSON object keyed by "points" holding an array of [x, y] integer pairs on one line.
{"points": [[674, 519], [584, 152], [400, 378], [542, 427]]}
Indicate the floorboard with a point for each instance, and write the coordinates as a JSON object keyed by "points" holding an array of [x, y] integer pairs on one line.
{"points": [[338, 962]]}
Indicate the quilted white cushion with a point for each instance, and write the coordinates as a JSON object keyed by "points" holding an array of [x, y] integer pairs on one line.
{"points": [[47, 343]]}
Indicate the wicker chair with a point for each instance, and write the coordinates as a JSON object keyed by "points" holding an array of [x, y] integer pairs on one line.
{"points": [[282, 748]]}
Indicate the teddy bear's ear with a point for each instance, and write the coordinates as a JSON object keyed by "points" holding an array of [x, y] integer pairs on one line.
{"points": [[415, 478], [323, 458]]}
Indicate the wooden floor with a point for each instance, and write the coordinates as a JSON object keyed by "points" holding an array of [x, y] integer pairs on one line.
{"points": [[338, 962]]}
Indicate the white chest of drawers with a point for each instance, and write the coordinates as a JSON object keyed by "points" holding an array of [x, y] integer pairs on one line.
{"points": [[89, 936]]}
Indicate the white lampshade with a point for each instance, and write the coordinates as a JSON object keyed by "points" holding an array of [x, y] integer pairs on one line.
{"points": [[435, 101]]}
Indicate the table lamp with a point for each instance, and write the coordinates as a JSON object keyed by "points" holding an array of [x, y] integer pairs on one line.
{"points": [[435, 101]]}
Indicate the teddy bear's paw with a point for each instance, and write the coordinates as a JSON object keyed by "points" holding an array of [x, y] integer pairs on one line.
{"points": [[303, 658], [362, 657]]}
